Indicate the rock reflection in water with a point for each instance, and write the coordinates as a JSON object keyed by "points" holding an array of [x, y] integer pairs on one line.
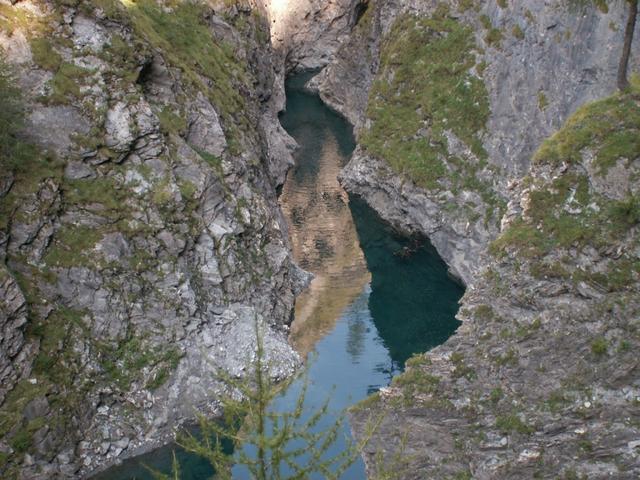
{"points": [[321, 228]]}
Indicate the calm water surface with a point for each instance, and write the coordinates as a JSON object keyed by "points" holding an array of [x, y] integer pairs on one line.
{"points": [[376, 299]]}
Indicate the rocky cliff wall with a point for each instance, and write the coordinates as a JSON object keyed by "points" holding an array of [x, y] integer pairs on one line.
{"points": [[140, 236], [541, 380], [508, 77], [451, 102]]}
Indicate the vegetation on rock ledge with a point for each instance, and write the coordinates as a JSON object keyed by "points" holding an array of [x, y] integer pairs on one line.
{"points": [[427, 98], [571, 208]]}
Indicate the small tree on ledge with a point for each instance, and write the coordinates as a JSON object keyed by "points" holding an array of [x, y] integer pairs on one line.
{"points": [[283, 445]]}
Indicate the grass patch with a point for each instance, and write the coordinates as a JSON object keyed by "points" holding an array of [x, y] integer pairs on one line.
{"points": [[565, 212], [124, 363], [44, 55], [73, 246], [103, 192], [517, 32], [513, 423], [461, 369], [416, 381], [423, 92], [599, 346], [609, 127], [423, 89], [543, 102], [64, 84], [172, 122], [16, 155], [187, 42]]}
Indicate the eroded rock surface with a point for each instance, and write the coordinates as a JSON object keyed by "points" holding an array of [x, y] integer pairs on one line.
{"points": [[140, 251], [539, 381]]}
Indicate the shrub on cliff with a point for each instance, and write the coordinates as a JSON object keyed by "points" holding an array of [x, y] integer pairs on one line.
{"points": [[269, 444]]}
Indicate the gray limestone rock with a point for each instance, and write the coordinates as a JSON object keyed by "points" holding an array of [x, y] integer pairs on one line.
{"points": [[144, 262], [205, 131]]}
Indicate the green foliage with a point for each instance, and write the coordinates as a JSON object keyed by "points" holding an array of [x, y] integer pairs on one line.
{"points": [[279, 439], [625, 214], [557, 400], [484, 313], [21, 441], [103, 191], [172, 122], [395, 466], [610, 128], [124, 362], [25, 19], [415, 381], [512, 423], [565, 212], [543, 102], [461, 369], [510, 357], [187, 42], [496, 395], [529, 16], [64, 84], [599, 346], [57, 334], [44, 55], [73, 246], [517, 32], [423, 89], [464, 474], [494, 37], [14, 152], [14, 404], [369, 402], [466, 5]]}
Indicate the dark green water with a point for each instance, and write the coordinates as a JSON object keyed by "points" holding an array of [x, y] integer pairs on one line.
{"points": [[404, 306]]}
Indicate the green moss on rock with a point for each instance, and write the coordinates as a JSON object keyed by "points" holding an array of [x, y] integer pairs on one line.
{"points": [[565, 212], [423, 89], [610, 128], [187, 42], [426, 92], [44, 55]]}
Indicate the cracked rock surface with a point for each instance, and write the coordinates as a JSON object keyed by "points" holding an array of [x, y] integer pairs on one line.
{"points": [[144, 241]]}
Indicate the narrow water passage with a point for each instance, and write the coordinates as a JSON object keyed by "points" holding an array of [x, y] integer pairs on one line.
{"points": [[377, 297]]}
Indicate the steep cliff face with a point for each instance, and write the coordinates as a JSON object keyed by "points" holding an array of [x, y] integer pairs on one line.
{"points": [[541, 380], [140, 236], [306, 34], [450, 102]]}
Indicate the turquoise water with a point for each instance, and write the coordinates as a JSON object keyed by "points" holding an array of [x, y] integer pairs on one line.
{"points": [[379, 297]]}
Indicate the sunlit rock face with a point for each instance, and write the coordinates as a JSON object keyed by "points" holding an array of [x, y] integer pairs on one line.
{"points": [[310, 31], [306, 34]]}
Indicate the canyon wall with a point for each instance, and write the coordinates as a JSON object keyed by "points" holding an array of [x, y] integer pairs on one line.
{"points": [[526, 66], [452, 102], [140, 234]]}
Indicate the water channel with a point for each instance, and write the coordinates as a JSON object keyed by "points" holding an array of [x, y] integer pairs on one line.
{"points": [[376, 299]]}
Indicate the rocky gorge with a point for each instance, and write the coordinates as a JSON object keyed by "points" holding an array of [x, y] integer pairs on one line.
{"points": [[141, 238], [141, 235], [453, 103]]}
